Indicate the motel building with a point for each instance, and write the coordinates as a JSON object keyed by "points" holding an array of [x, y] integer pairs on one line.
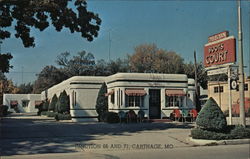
{"points": [[220, 92], [155, 94]]}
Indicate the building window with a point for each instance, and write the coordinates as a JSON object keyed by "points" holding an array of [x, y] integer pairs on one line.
{"points": [[112, 98], [218, 89], [25, 103], [245, 87], [173, 101], [221, 89], [134, 101]]}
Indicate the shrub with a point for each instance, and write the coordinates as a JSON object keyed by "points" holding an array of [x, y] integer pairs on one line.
{"points": [[102, 102], [3, 110], [211, 117], [111, 117], [198, 133], [62, 104], [240, 132], [45, 106], [53, 102], [44, 113], [51, 114], [226, 113], [60, 116]]}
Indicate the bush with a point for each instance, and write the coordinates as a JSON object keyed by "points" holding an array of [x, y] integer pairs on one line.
{"points": [[102, 103], [45, 106], [3, 110], [211, 117], [53, 102], [62, 104], [51, 114], [237, 132], [111, 117], [198, 133], [240, 132], [44, 113], [60, 116]]}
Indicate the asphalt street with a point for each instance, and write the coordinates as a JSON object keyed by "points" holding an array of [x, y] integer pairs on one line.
{"points": [[29, 136]]}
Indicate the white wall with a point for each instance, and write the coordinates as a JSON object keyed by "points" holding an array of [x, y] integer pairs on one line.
{"points": [[7, 98]]}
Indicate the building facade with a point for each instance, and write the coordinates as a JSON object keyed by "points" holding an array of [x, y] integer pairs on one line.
{"points": [[156, 94], [220, 92], [24, 103]]}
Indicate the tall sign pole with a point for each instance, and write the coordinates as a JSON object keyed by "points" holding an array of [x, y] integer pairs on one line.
{"points": [[241, 70], [197, 91]]}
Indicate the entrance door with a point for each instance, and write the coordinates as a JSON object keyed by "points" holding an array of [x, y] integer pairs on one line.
{"points": [[154, 103]]}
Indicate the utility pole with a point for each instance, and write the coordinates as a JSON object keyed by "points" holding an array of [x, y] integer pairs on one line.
{"points": [[109, 45], [241, 70], [197, 91]]}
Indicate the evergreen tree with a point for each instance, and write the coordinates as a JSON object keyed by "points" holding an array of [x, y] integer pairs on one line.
{"points": [[211, 117], [102, 102], [53, 102], [62, 104]]}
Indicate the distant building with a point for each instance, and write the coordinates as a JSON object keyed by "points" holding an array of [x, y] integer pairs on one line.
{"points": [[219, 91], [24, 103]]}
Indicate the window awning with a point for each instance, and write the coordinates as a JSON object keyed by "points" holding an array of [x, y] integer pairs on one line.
{"points": [[175, 92], [135, 92], [13, 102], [38, 102], [110, 93]]}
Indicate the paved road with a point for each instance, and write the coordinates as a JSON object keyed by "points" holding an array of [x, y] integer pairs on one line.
{"points": [[27, 134], [23, 136], [204, 152]]}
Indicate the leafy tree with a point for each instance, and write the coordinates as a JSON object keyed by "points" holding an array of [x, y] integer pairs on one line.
{"points": [[189, 70], [25, 88], [149, 58], [102, 102], [211, 117], [5, 61], [39, 14], [118, 65], [62, 104], [82, 64], [49, 76], [53, 102]]}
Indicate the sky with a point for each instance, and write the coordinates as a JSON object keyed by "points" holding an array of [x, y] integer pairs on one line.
{"points": [[180, 26]]}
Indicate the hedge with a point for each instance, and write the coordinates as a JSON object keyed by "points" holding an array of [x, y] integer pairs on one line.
{"points": [[237, 132], [60, 116]]}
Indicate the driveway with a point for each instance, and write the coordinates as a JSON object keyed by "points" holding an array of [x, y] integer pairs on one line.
{"points": [[23, 134]]}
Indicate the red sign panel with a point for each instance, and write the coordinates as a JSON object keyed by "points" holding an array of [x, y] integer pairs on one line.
{"points": [[220, 52], [218, 36]]}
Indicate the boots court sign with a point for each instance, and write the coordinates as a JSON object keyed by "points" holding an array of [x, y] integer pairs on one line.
{"points": [[220, 49]]}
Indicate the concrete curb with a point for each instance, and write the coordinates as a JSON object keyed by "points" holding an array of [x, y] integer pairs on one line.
{"points": [[200, 142]]}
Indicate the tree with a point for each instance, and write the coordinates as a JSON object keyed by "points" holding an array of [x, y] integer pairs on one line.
{"points": [[53, 102], [39, 14], [62, 104], [201, 73], [211, 117], [102, 102], [5, 61], [148, 58], [49, 76], [25, 88], [80, 65]]}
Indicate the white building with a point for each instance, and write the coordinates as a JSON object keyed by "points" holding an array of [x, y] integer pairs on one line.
{"points": [[156, 94], [25, 103], [83, 91]]}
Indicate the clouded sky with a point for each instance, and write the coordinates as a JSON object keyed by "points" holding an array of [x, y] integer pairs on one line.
{"points": [[180, 26]]}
